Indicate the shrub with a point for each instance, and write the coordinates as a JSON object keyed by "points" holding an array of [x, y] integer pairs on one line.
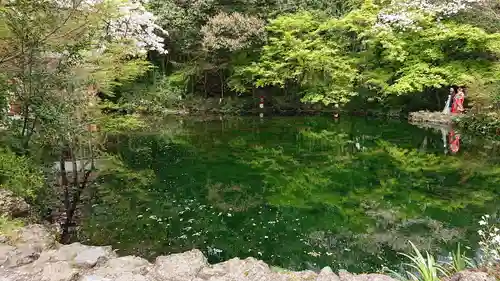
{"points": [[421, 268], [20, 175], [480, 124]]}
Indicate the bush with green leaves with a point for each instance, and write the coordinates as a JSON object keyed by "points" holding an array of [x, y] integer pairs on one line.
{"points": [[20, 175], [423, 268], [427, 268], [485, 123], [332, 59]]}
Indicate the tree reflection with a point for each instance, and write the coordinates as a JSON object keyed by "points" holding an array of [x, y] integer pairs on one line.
{"points": [[348, 194]]}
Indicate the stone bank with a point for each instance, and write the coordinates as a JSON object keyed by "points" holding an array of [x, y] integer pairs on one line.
{"points": [[438, 118], [31, 254]]}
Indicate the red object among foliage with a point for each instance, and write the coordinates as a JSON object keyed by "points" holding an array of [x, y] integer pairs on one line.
{"points": [[14, 108], [454, 140], [458, 103]]}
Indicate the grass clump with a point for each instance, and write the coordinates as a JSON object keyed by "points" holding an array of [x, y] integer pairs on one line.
{"points": [[421, 268], [8, 226], [460, 261], [427, 269]]}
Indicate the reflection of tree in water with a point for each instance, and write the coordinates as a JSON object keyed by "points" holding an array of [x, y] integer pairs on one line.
{"points": [[235, 197], [358, 193], [417, 189]]}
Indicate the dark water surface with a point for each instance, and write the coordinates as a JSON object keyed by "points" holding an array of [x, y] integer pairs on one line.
{"points": [[297, 192]]}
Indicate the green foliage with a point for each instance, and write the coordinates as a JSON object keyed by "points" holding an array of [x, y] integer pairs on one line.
{"points": [[114, 124], [484, 14], [427, 269], [20, 175], [487, 123], [8, 226], [459, 260], [331, 59], [297, 54], [113, 68], [151, 93], [210, 39], [332, 8]]}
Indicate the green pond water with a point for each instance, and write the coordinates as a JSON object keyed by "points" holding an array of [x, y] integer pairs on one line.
{"points": [[296, 192]]}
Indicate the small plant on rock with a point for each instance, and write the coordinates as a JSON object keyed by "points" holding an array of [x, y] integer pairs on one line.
{"points": [[422, 268], [460, 261]]}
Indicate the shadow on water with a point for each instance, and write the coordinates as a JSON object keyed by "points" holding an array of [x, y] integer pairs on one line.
{"points": [[296, 192]]}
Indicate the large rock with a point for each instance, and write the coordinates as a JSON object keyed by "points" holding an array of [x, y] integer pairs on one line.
{"points": [[128, 268], [18, 275], [36, 236], [119, 277], [327, 274], [294, 276], [5, 252], [16, 257], [346, 276], [59, 271], [91, 256], [11, 205], [178, 267], [63, 253], [236, 269], [469, 275], [25, 247], [431, 117], [94, 278]]}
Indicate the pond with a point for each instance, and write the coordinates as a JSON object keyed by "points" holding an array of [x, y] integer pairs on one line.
{"points": [[296, 192]]}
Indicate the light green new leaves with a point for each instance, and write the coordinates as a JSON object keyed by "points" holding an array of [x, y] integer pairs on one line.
{"points": [[298, 54], [330, 59]]}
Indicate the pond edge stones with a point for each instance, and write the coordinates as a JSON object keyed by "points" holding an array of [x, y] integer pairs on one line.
{"points": [[437, 117], [31, 253], [31, 257]]}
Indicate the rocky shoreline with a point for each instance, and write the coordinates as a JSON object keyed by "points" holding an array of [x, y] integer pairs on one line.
{"points": [[32, 253]]}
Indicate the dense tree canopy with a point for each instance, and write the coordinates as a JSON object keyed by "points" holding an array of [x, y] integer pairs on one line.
{"points": [[332, 59], [329, 52]]}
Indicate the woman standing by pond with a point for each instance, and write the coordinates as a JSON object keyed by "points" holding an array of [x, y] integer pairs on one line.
{"points": [[458, 101]]}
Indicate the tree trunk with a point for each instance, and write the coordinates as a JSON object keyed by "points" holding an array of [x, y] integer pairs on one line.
{"points": [[78, 188], [438, 99], [205, 85], [222, 85]]}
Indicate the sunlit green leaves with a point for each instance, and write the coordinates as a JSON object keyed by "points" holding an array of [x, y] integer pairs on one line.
{"points": [[331, 59], [20, 175]]}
